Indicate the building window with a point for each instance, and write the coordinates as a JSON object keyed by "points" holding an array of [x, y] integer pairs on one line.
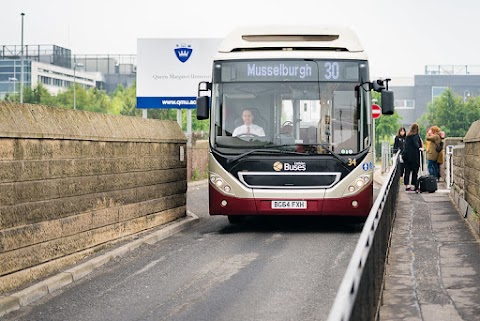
{"points": [[404, 104], [45, 80]]}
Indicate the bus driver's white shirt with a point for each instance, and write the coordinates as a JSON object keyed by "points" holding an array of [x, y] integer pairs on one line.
{"points": [[254, 129]]}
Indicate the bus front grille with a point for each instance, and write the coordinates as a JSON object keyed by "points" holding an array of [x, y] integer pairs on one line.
{"points": [[289, 179]]}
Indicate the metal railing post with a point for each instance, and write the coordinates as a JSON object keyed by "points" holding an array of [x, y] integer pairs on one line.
{"points": [[385, 157], [449, 166]]}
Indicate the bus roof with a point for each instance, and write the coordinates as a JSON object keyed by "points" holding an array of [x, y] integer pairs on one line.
{"points": [[291, 37]]}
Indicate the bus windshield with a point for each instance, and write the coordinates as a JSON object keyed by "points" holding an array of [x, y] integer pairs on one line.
{"points": [[307, 106]]}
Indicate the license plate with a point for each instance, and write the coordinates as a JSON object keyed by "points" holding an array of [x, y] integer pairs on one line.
{"points": [[289, 204]]}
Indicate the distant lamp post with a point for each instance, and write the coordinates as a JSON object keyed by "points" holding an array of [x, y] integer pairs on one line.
{"points": [[14, 80], [21, 60], [466, 94], [75, 65]]}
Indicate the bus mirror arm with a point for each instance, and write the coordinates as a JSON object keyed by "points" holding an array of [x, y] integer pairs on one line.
{"points": [[377, 85], [203, 86], [380, 84], [387, 99], [386, 82]]}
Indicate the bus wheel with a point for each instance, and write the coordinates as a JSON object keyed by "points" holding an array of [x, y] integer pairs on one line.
{"points": [[236, 219]]}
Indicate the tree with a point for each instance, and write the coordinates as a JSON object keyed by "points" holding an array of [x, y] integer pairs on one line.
{"points": [[386, 127], [96, 100], [130, 103], [39, 95], [199, 125], [451, 114]]}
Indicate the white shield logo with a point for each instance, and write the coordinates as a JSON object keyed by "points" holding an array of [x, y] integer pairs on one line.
{"points": [[183, 52]]}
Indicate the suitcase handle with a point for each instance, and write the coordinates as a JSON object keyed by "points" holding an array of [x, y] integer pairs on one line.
{"points": [[422, 162]]}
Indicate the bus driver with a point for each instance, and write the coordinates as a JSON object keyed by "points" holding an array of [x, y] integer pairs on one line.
{"points": [[248, 128]]}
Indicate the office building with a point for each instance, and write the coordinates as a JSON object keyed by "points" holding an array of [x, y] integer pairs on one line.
{"points": [[57, 69], [413, 95]]}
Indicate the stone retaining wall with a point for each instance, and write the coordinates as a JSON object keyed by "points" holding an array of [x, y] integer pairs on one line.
{"points": [[72, 182], [466, 176]]}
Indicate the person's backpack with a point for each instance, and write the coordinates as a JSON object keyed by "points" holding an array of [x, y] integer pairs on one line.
{"points": [[439, 147]]}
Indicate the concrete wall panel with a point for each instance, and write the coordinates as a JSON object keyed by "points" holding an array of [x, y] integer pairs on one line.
{"points": [[72, 182]]}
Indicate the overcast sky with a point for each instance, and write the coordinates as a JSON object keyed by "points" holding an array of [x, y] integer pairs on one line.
{"points": [[401, 37]]}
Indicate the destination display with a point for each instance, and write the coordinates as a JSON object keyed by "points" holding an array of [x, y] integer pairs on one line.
{"points": [[289, 70]]}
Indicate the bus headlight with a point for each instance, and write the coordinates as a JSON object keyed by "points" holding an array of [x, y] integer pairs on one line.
{"points": [[358, 184], [220, 184]]}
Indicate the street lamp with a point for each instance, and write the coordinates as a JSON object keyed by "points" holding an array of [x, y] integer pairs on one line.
{"points": [[13, 79], [466, 94], [21, 59], [75, 65]]}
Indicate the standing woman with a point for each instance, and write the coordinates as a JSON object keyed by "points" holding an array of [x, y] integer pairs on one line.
{"points": [[399, 145], [440, 157], [411, 157], [434, 139]]}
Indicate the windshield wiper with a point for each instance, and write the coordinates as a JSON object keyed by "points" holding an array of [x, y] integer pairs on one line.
{"points": [[344, 162], [274, 151]]}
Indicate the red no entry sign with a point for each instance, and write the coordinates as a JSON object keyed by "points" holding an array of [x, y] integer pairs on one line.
{"points": [[376, 111]]}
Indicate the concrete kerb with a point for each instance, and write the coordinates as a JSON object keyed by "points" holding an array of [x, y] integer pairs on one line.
{"points": [[31, 294]]}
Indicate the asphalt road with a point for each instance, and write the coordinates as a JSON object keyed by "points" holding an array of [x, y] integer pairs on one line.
{"points": [[266, 269]]}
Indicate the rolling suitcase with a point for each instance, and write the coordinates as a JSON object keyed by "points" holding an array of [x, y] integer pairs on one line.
{"points": [[426, 182]]}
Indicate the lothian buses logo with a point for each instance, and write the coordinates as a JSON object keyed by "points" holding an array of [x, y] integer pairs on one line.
{"points": [[183, 52], [288, 167], [277, 166]]}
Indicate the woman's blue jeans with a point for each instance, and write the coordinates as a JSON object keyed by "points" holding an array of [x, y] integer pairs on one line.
{"points": [[433, 168]]}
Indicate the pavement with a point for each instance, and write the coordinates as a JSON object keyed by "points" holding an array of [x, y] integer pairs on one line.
{"points": [[433, 265], [432, 273]]}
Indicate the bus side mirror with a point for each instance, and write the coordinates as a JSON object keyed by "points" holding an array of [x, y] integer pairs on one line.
{"points": [[388, 102], [203, 107]]}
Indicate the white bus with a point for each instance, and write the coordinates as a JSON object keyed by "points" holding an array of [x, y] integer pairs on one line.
{"points": [[306, 89]]}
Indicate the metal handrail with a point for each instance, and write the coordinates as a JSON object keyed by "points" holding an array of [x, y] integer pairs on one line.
{"points": [[358, 297]]}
